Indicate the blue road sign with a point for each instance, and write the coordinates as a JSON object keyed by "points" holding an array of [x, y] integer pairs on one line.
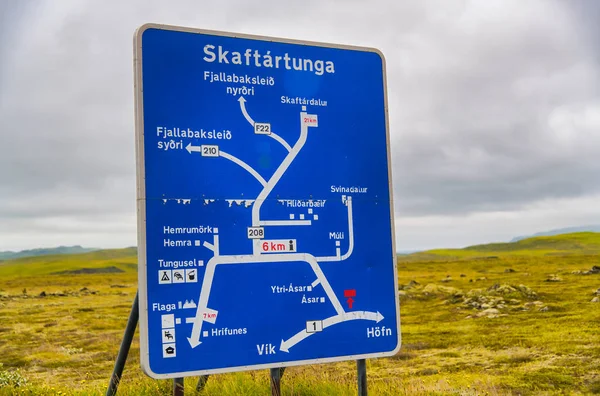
{"points": [[265, 216]]}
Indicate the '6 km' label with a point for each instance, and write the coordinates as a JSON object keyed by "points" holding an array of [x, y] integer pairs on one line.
{"points": [[278, 246]]}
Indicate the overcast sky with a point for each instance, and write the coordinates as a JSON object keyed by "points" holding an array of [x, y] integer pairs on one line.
{"points": [[494, 111]]}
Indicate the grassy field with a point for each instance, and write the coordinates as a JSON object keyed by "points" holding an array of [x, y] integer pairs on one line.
{"points": [[498, 319]]}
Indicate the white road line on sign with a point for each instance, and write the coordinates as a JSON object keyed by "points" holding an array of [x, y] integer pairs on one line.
{"points": [[350, 234], [272, 134], [242, 101], [355, 315], [216, 244], [244, 165], [191, 148], [256, 246], [281, 140], [284, 222], [194, 339], [350, 229], [326, 286], [279, 172]]}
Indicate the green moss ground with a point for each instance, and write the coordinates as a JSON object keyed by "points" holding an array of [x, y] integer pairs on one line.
{"points": [[540, 339]]}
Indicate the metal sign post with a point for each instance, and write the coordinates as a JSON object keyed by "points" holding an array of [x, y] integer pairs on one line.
{"points": [[132, 322], [117, 374], [361, 371], [276, 374], [265, 213]]}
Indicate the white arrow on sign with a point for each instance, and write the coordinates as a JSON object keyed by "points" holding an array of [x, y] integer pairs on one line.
{"points": [[191, 148], [272, 134], [242, 101], [366, 315]]}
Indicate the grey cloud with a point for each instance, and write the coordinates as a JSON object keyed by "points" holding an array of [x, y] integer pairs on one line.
{"points": [[587, 14], [12, 16], [491, 102], [474, 131]]}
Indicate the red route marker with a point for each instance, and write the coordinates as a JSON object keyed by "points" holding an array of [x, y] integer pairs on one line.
{"points": [[348, 294], [350, 301]]}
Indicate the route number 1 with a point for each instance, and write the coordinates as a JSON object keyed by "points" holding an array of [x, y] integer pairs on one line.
{"points": [[209, 150], [314, 326], [256, 232], [262, 128]]}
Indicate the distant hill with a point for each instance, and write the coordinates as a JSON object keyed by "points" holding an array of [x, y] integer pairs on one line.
{"points": [[8, 255], [97, 261], [406, 252], [563, 244], [560, 231]]}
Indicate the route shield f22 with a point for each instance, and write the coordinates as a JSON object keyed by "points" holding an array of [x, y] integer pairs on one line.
{"points": [[265, 214]]}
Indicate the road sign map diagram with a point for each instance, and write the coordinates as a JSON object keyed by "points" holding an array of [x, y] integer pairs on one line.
{"points": [[264, 203]]}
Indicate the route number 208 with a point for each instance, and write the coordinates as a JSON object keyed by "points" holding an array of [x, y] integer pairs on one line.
{"points": [[256, 232]]}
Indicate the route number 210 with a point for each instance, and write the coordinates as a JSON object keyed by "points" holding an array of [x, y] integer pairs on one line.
{"points": [[262, 128], [209, 150], [256, 232]]}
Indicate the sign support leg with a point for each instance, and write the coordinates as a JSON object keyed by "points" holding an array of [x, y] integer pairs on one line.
{"points": [[178, 387], [361, 368], [276, 374], [201, 383], [124, 349]]}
